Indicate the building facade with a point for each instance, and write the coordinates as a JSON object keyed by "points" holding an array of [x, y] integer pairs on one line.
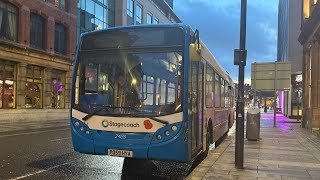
{"points": [[100, 14], [37, 45], [310, 39], [290, 50]]}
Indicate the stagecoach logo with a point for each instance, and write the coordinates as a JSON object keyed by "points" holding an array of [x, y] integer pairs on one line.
{"points": [[106, 123]]}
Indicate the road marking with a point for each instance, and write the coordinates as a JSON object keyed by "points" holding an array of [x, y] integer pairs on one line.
{"points": [[37, 132], [60, 139], [38, 172]]}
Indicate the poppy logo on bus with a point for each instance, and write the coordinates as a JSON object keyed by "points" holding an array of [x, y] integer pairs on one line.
{"points": [[105, 123], [148, 124]]}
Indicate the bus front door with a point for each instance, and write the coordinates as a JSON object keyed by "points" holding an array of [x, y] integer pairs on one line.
{"points": [[196, 106]]}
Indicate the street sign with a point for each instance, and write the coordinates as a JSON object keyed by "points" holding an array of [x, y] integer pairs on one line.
{"points": [[270, 76]]}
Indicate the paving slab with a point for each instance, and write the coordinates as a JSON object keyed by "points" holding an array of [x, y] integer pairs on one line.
{"points": [[283, 152]]}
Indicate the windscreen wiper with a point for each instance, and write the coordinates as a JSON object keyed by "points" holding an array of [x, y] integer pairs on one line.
{"points": [[153, 118], [95, 112], [159, 120]]}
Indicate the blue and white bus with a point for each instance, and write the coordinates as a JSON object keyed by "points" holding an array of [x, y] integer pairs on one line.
{"points": [[149, 92]]}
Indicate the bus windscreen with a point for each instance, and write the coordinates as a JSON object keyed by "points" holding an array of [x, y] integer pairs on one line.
{"points": [[133, 38]]}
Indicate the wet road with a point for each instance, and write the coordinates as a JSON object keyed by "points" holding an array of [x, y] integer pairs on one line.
{"points": [[48, 154]]}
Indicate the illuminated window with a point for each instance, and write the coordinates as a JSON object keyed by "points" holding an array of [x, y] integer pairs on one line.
{"points": [[34, 88], [306, 8], [57, 89], [7, 85]]}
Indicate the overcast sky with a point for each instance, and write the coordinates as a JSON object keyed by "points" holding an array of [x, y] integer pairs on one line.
{"points": [[219, 24]]}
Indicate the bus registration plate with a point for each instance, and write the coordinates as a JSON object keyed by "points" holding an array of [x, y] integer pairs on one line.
{"points": [[122, 153]]}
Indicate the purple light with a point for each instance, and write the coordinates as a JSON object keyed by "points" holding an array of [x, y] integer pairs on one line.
{"points": [[281, 99]]}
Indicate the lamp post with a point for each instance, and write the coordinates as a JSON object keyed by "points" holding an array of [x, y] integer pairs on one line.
{"points": [[240, 59]]}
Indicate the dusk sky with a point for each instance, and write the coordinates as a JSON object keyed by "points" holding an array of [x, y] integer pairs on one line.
{"points": [[219, 24]]}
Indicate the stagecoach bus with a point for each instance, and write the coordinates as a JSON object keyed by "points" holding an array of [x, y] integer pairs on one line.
{"points": [[150, 92]]}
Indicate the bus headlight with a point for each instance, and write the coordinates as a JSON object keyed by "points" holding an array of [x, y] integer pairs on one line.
{"points": [[81, 128], [159, 137], [88, 132], [77, 123], [174, 128], [167, 133]]}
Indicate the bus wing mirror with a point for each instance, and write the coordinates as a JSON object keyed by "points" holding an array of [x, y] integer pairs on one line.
{"points": [[195, 52], [195, 47]]}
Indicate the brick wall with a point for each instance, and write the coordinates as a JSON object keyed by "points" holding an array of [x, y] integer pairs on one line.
{"points": [[52, 15]]}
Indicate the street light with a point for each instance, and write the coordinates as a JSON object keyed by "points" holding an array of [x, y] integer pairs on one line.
{"points": [[240, 57]]}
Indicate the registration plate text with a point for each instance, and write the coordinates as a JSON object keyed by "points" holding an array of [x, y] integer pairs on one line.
{"points": [[122, 153]]}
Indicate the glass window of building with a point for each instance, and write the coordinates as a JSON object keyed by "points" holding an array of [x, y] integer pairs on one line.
{"points": [[139, 13], [36, 31], [7, 85], [8, 21], [130, 8], [130, 12], [60, 39], [57, 88], [61, 4], [149, 18], [34, 87], [155, 20], [95, 15]]}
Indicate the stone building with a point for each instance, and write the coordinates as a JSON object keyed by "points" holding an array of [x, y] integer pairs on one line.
{"points": [[290, 50], [97, 14], [310, 39], [37, 46]]}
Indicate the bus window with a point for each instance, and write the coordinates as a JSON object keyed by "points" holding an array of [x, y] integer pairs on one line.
{"points": [[217, 95], [91, 80], [227, 94], [148, 94], [147, 83], [171, 93], [209, 87], [222, 93]]}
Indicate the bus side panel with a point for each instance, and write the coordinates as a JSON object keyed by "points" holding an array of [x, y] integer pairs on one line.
{"points": [[232, 116], [175, 149], [220, 124]]}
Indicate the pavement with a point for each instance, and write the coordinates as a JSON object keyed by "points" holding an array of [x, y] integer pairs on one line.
{"points": [[283, 152]]}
